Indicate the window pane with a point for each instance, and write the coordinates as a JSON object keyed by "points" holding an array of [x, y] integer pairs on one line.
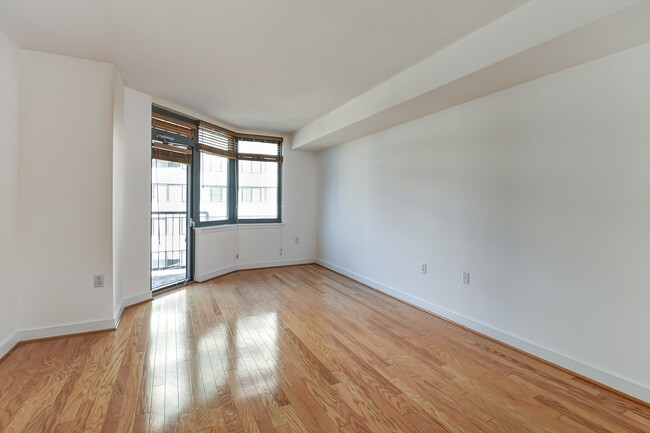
{"points": [[168, 188], [258, 147], [258, 189], [214, 188], [176, 193], [218, 164]]}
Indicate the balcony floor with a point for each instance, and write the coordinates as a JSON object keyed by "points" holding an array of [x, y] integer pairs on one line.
{"points": [[166, 277]]}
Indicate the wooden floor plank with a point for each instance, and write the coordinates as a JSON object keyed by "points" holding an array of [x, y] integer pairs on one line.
{"points": [[293, 350]]}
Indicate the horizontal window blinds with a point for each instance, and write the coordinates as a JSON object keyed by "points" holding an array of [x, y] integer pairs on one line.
{"points": [[216, 140], [211, 139], [165, 152], [169, 124], [221, 141], [167, 130], [260, 157], [256, 157]]}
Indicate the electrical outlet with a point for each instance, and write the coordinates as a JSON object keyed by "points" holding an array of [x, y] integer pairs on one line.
{"points": [[297, 240], [465, 277], [98, 281], [423, 268]]}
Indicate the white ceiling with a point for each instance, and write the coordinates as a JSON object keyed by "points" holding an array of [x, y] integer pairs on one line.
{"points": [[258, 64]]}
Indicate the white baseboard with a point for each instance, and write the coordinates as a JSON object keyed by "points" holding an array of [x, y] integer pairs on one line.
{"points": [[241, 266], [9, 344], [126, 303], [611, 380], [74, 328], [58, 331], [275, 263], [136, 299], [213, 274]]}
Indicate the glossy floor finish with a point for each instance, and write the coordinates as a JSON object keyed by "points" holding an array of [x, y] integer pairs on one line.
{"points": [[297, 349]]}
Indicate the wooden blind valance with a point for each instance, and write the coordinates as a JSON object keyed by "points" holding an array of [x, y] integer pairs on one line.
{"points": [[170, 124], [259, 157], [165, 152]]}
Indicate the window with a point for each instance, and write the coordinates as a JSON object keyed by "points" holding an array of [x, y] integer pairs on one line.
{"points": [[259, 179], [214, 188], [250, 194], [252, 167], [160, 192], [235, 177], [238, 176], [217, 194], [175, 193], [245, 195], [218, 164]]}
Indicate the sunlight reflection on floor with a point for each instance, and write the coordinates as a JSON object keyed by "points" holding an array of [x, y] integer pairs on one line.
{"points": [[237, 357]]}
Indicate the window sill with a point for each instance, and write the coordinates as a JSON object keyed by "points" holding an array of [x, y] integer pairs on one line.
{"points": [[242, 226]]}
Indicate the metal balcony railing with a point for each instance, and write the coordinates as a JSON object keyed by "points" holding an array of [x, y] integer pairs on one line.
{"points": [[168, 240]]}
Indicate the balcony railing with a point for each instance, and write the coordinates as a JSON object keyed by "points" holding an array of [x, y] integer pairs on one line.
{"points": [[168, 248], [168, 240]]}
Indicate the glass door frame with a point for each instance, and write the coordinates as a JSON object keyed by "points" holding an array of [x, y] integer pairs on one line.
{"points": [[189, 202]]}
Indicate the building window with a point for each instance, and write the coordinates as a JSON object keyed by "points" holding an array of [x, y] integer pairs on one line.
{"points": [[249, 194], [213, 183], [218, 194], [175, 193], [160, 192], [218, 164], [250, 167], [167, 164]]}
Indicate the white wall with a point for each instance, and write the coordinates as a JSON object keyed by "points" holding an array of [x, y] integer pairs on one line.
{"points": [[215, 251], [131, 196], [260, 245], [136, 199], [65, 192], [9, 101], [539, 191], [119, 160]]}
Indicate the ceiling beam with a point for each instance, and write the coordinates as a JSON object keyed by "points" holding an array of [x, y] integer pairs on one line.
{"points": [[536, 39]]}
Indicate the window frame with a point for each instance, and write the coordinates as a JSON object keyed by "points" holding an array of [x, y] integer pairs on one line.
{"points": [[232, 187], [196, 188], [279, 187]]}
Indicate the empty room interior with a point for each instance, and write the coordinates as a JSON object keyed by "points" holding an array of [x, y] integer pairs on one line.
{"points": [[341, 216]]}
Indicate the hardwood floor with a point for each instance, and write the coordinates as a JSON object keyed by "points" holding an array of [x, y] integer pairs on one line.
{"points": [[298, 349]]}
